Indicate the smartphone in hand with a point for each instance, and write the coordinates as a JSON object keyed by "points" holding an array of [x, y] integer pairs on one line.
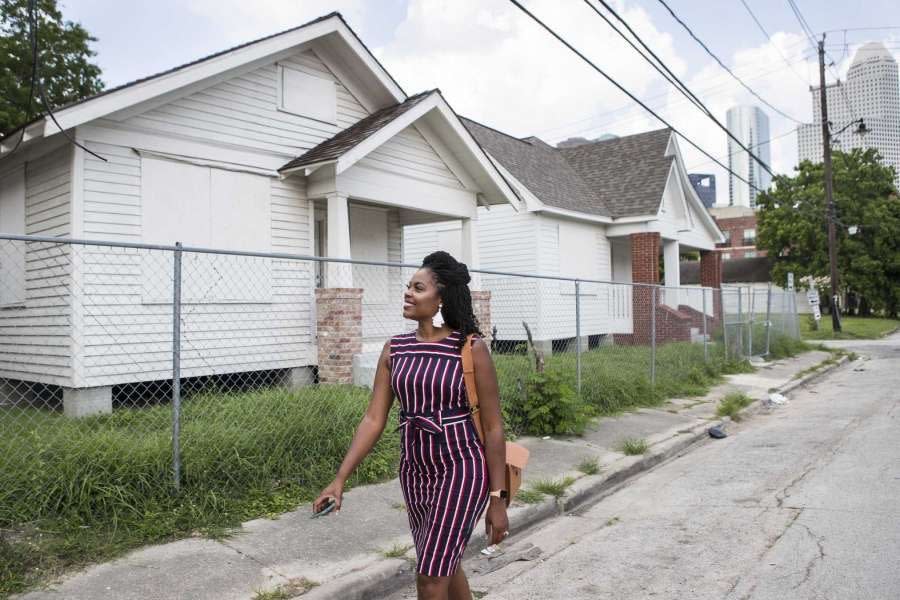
{"points": [[327, 507]]}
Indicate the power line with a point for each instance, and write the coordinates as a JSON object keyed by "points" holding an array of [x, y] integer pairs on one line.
{"points": [[723, 65], [713, 90], [43, 97], [672, 78], [774, 45], [730, 154], [623, 90]]}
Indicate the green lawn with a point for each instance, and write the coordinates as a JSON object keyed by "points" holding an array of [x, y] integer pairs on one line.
{"points": [[79, 491], [853, 328]]}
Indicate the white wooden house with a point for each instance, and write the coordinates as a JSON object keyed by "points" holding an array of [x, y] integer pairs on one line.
{"points": [[590, 212], [296, 143]]}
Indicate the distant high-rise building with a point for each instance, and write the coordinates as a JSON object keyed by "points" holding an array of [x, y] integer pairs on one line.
{"points": [[750, 125], [871, 92], [705, 186]]}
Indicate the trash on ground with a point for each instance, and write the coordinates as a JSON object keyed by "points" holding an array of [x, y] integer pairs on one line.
{"points": [[776, 398], [527, 551], [717, 431]]}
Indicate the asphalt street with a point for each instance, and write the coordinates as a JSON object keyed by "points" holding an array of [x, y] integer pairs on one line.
{"points": [[800, 502]]}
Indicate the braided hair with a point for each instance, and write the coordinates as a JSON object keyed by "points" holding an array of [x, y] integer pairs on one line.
{"points": [[453, 279]]}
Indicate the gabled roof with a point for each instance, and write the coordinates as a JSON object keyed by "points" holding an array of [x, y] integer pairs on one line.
{"points": [[541, 168], [628, 173], [331, 29], [344, 141]]}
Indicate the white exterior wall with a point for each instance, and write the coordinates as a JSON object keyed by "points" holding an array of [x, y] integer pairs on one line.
{"points": [[277, 330], [126, 324], [36, 338]]}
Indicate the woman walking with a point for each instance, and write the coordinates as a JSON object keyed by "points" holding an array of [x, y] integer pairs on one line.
{"points": [[447, 475]]}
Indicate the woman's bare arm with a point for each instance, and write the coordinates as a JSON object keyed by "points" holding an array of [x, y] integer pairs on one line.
{"points": [[367, 433]]}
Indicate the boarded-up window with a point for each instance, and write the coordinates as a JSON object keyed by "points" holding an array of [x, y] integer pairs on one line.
{"points": [[578, 251], [306, 95], [12, 253], [205, 207]]}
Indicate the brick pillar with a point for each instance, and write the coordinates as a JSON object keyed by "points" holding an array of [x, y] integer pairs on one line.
{"points": [[644, 269], [481, 304], [711, 277], [339, 332]]}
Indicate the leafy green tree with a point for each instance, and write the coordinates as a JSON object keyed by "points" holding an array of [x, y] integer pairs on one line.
{"points": [[793, 227], [64, 61]]}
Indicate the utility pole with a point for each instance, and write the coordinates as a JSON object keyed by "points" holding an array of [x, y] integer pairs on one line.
{"points": [[829, 198]]}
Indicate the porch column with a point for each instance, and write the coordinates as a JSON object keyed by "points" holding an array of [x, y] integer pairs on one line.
{"points": [[671, 260], [469, 247], [644, 269], [338, 275], [481, 299], [711, 277]]}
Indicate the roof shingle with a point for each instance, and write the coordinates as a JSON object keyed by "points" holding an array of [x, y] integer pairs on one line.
{"points": [[541, 168], [629, 173]]}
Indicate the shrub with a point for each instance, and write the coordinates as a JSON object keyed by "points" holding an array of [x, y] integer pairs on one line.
{"points": [[552, 407]]}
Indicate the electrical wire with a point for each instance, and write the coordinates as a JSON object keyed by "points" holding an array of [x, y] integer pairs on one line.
{"points": [[723, 65], [621, 88], [769, 37], [672, 78]]}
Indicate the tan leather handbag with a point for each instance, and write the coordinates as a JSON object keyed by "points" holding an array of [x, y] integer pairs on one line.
{"points": [[516, 454]]}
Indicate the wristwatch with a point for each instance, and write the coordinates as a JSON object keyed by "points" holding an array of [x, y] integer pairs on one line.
{"points": [[500, 494]]}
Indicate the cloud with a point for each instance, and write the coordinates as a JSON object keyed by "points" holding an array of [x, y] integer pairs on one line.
{"points": [[497, 66], [239, 21]]}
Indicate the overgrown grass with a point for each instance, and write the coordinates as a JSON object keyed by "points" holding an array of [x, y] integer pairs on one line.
{"points": [[732, 404], [589, 466], [634, 446], [286, 591], [396, 551], [528, 496], [78, 491], [860, 328], [552, 487], [617, 378]]}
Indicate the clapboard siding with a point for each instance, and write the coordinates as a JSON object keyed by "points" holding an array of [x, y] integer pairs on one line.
{"points": [[243, 111], [35, 338], [124, 338], [409, 154]]}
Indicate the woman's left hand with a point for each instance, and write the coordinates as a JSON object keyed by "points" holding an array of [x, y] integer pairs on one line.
{"points": [[496, 523]]}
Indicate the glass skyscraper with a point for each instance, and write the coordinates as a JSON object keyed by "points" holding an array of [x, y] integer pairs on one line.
{"points": [[750, 125]]}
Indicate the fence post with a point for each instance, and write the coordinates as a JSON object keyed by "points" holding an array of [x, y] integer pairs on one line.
{"points": [[724, 320], [740, 324], [768, 317], [751, 312], [176, 367], [705, 340], [578, 335], [653, 335]]}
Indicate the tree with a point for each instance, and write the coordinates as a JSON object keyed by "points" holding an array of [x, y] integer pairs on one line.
{"points": [[793, 227], [65, 70]]}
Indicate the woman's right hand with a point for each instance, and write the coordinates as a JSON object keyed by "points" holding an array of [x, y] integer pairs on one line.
{"points": [[335, 490]]}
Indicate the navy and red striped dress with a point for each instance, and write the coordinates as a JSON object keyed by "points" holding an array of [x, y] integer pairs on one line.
{"points": [[443, 472]]}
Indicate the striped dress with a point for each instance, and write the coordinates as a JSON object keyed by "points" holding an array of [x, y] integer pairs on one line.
{"points": [[443, 472]]}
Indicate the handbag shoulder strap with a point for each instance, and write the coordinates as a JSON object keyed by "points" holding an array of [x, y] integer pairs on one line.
{"points": [[468, 366]]}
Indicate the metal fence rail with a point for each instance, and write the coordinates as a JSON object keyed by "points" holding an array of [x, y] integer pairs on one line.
{"points": [[207, 367]]}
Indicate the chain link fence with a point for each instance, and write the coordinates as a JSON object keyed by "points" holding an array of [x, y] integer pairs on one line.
{"points": [[754, 317], [131, 373]]}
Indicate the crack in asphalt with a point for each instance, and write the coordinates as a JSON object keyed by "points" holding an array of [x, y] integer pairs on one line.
{"points": [[820, 544]]}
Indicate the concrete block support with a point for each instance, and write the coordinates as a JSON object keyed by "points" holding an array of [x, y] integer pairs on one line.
{"points": [[339, 332], [298, 377], [84, 402]]}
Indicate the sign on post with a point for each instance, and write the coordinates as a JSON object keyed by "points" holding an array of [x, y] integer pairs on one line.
{"points": [[812, 296]]}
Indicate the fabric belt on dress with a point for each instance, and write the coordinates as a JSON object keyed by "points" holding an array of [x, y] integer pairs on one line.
{"points": [[432, 422]]}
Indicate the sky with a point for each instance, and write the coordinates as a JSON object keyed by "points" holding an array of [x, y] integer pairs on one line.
{"points": [[495, 65]]}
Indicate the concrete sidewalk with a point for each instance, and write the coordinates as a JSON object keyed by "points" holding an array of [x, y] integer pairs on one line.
{"points": [[344, 556]]}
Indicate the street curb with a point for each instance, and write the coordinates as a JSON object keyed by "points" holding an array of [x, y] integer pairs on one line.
{"points": [[388, 575], [789, 387]]}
